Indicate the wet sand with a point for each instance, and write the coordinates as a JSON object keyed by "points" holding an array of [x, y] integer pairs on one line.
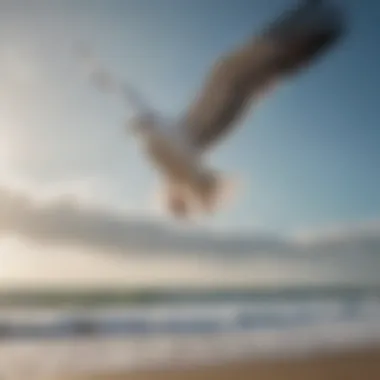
{"points": [[350, 365]]}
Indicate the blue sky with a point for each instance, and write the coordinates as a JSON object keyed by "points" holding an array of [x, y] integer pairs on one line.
{"points": [[308, 156]]}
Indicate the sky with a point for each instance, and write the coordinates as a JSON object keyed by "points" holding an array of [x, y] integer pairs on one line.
{"points": [[73, 183]]}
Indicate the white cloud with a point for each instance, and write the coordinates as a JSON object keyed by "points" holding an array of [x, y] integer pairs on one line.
{"points": [[64, 239]]}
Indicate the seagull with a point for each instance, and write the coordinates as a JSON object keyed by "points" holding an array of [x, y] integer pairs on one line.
{"points": [[235, 83]]}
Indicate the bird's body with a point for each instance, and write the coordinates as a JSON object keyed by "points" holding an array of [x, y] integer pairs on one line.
{"points": [[189, 184], [235, 83]]}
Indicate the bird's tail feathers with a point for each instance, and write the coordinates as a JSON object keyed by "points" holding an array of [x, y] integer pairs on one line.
{"points": [[214, 191], [178, 201], [217, 190]]}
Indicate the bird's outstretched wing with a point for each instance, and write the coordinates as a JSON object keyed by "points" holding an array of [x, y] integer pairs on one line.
{"points": [[108, 83], [247, 73]]}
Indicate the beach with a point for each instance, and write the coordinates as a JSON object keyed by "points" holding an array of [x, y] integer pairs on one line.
{"points": [[348, 365], [272, 339]]}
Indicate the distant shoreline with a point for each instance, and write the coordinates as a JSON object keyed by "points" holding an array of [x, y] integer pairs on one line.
{"points": [[114, 297]]}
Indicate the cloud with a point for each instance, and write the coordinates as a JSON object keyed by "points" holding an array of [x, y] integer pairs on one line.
{"points": [[66, 221], [75, 228]]}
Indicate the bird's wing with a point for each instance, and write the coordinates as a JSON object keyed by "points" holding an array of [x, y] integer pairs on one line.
{"points": [[229, 89], [245, 74], [107, 82]]}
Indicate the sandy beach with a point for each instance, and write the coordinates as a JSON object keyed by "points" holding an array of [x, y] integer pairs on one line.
{"points": [[353, 365]]}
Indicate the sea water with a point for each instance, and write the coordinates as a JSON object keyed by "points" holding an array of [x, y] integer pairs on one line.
{"points": [[42, 342]]}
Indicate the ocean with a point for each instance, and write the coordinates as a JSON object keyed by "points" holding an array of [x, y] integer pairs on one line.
{"points": [[42, 341]]}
